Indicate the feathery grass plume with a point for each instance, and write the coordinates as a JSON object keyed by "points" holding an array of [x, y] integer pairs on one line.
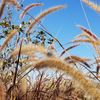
{"points": [[71, 47], [29, 49], [78, 59], [23, 69], [14, 2], [8, 38], [11, 1], [30, 59], [97, 67], [81, 36], [94, 41], [95, 44], [88, 32], [58, 64], [97, 61], [87, 36], [87, 41], [44, 13], [92, 5], [90, 38], [23, 85], [2, 91], [28, 7], [1, 63], [93, 38], [81, 40], [2, 7]]}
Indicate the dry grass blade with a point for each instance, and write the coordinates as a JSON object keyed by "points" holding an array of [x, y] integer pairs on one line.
{"points": [[27, 8], [11, 1], [2, 7], [23, 85], [44, 13], [92, 5], [30, 59], [29, 49], [71, 47], [24, 69], [9, 37], [58, 64], [88, 32]]}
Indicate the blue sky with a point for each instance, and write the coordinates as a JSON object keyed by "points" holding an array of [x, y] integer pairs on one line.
{"points": [[62, 24]]}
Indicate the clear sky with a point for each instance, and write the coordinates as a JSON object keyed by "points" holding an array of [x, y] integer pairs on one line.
{"points": [[62, 24]]}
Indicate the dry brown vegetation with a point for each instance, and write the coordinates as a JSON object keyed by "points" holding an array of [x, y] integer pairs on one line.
{"points": [[20, 56]]}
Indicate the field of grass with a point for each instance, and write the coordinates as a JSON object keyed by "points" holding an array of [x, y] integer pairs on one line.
{"points": [[27, 50]]}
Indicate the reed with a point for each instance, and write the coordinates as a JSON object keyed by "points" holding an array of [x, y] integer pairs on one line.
{"points": [[92, 5]]}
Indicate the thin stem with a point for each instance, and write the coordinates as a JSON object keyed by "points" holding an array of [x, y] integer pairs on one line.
{"points": [[16, 69]]}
